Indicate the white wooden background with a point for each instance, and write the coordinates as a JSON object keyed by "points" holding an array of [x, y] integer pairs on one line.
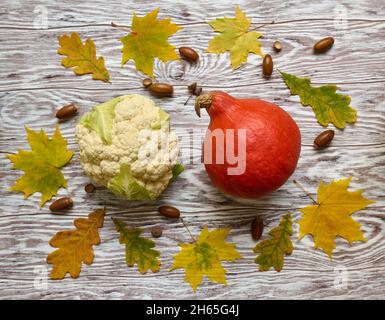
{"points": [[33, 85]]}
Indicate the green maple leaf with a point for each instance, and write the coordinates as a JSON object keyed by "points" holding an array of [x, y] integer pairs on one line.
{"points": [[272, 251], [148, 40], [235, 38], [205, 256], [138, 249], [41, 165], [328, 106]]}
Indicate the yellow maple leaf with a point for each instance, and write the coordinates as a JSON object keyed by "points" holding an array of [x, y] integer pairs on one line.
{"points": [[235, 38], [82, 57], [41, 165], [331, 216], [204, 257], [148, 40], [75, 246], [272, 250]]}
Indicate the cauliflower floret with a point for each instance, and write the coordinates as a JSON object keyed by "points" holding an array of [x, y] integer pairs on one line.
{"points": [[126, 144]]}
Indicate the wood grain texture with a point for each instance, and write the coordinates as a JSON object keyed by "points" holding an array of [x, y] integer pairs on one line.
{"points": [[33, 85], [45, 70]]}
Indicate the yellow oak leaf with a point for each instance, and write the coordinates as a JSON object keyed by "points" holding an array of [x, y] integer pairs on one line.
{"points": [[272, 250], [235, 38], [82, 57], [75, 246], [328, 106], [138, 249], [204, 257], [148, 40], [41, 165], [331, 216]]}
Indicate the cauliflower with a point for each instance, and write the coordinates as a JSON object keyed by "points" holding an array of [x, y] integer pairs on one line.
{"points": [[126, 145]]}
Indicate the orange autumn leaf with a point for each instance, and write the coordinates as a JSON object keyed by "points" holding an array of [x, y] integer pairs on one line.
{"points": [[204, 257], [82, 57], [75, 246], [331, 216]]}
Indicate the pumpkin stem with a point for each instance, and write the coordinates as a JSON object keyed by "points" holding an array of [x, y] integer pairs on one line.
{"points": [[202, 101]]}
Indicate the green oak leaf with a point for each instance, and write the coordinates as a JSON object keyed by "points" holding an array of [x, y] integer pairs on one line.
{"points": [[235, 37], [41, 165], [272, 250]]}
